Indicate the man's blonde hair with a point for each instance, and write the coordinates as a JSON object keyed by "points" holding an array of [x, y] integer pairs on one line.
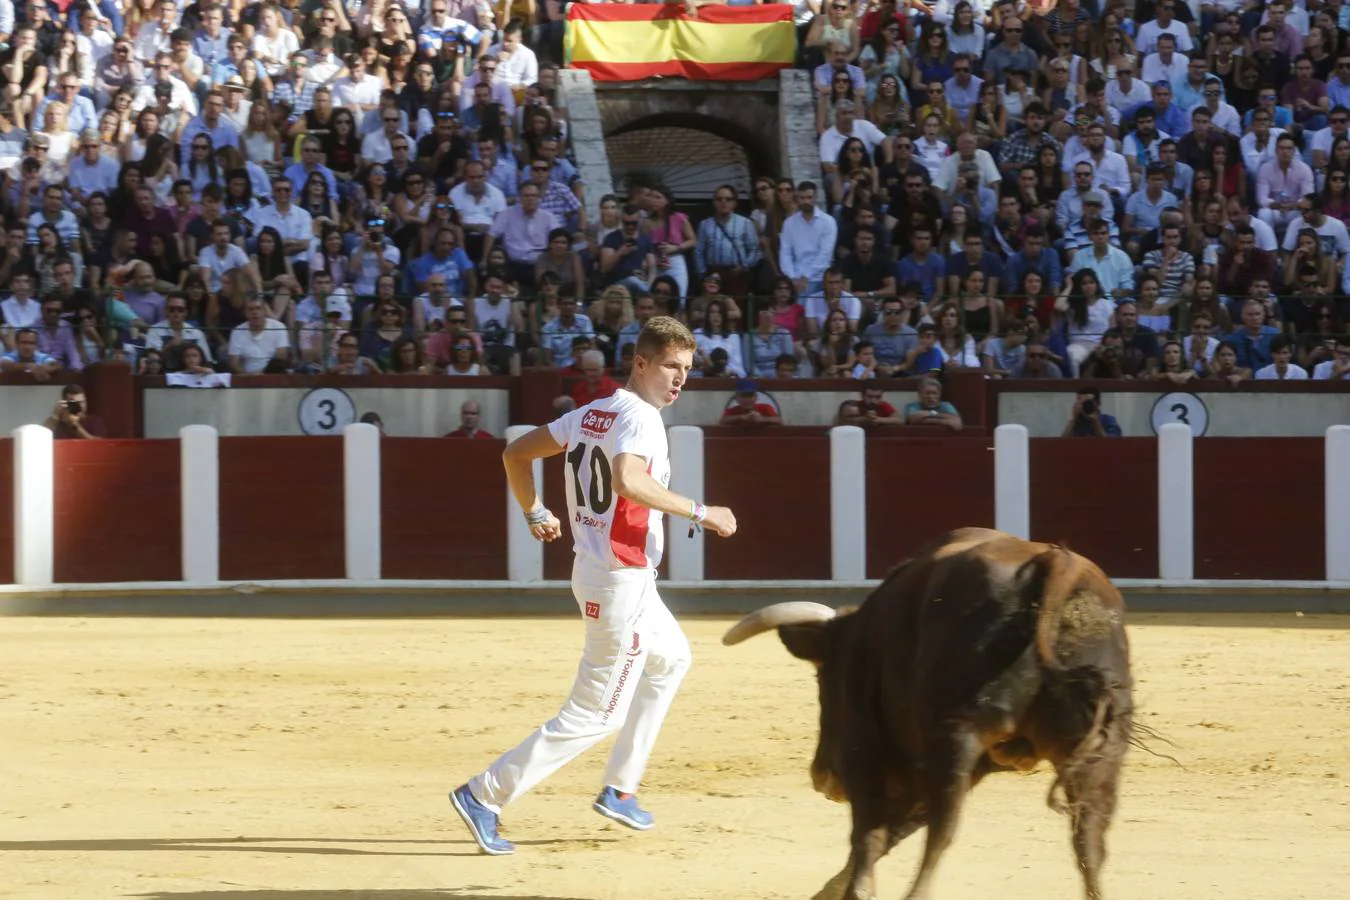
{"points": [[663, 333]]}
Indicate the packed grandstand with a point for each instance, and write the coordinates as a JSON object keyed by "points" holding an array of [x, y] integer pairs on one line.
{"points": [[1076, 190]]}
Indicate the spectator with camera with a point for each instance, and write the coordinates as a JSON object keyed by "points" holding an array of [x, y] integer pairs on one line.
{"points": [[870, 410], [1087, 418], [71, 419]]}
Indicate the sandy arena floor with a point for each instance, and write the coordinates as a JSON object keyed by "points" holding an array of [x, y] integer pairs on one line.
{"points": [[293, 760]]}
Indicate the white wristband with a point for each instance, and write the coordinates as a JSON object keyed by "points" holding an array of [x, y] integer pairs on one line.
{"points": [[537, 516]]}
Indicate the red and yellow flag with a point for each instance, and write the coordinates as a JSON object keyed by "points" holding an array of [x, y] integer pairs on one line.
{"points": [[621, 42]]}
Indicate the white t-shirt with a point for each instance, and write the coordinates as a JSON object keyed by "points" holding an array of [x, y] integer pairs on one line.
{"points": [[210, 259], [1293, 372], [608, 530], [257, 350]]}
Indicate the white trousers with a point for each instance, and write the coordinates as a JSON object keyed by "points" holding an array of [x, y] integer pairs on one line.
{"points": [[634, 660]]}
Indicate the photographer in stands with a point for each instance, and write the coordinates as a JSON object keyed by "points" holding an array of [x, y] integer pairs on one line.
{"points": [[71, 420], [1087, 418]]}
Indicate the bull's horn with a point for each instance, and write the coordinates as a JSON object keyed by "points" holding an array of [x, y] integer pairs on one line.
{"points": [[794, 612]]}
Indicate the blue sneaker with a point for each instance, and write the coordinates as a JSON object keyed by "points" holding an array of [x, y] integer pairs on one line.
{"points": [[482, 822], [624, 810]]}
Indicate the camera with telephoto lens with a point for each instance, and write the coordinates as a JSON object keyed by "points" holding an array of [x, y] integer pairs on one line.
{"points": [[1089, 407], [74, 407]]}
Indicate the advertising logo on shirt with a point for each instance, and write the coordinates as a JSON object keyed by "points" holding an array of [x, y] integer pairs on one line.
{"points": [[597, 423]]}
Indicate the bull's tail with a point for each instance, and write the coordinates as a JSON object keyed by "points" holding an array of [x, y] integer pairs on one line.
{"points": [[1060, 571]]}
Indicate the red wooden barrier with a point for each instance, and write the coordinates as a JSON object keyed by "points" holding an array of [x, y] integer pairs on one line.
{"points": [[442, 502], [6, 511], [1099, 496], [117, 511], [281, 508], [918, 488], [779, 490], [1259, 508]]}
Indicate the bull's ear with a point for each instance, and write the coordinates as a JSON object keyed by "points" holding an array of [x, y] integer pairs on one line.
{"points": [[807, 640]]}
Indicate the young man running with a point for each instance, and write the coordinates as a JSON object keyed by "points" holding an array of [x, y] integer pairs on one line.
{"points": [[635, 653]]}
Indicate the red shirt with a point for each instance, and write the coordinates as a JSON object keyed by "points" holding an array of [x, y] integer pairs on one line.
{"points": [[479, 434], [583, 393]]}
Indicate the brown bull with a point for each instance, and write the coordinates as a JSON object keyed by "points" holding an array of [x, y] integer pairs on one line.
{"points": [[985, 653]]}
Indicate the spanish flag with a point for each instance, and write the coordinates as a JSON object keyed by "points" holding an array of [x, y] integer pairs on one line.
{"points": [[622, 42]]}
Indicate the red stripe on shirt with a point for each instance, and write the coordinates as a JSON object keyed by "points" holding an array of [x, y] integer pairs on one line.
{"points": [[628, 534]]}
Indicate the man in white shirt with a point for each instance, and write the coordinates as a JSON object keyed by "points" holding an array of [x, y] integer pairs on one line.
{"points": [[375, 146], [153, 38], [635, 654], [1166, 64], [1338, 367], [500, 91], [1281, 369], [1110, 171], [1147, 39], [358, 90], [478, 204], [1337, 121], [966, 152], [161, 72], [294, 224], [173, 332], [324, 65], [832, 297], [1126, 93], [517, 66], [806, 242], [1331, 231], [259, 343], [847, 125], [221, 258]]}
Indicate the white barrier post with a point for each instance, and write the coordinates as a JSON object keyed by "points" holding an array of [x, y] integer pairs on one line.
{"points": [[1338, 502], [361, 500], [848, 503], [1176, 502], [199, 493], [524, 555], [34, 498], [1012, 480], [686, 477]]}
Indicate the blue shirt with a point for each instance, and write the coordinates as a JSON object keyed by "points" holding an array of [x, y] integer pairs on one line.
{"points": [[1082, 427], [1146, 213], [927, 273], [1047, 264], [455, 267], [1253, 352]]}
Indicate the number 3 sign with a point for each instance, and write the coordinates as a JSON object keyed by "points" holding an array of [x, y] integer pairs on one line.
{"points": [[326, 410], [1183, 407]]}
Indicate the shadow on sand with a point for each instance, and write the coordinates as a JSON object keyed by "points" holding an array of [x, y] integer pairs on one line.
{"points": [[395, 894], [331, 847]]}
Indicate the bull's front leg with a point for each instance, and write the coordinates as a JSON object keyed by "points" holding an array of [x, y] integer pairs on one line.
{"points": [[838, 887]]}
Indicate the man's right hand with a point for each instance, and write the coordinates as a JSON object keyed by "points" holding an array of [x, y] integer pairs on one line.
{"points": [[720, 520]]}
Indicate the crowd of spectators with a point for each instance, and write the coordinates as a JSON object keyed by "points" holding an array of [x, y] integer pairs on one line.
{"points": [[1073, 189], [1032, 190], [305, 186]]}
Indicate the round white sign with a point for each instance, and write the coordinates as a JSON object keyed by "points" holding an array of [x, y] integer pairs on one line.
{"points": [[326, 410], [1183, 407]]}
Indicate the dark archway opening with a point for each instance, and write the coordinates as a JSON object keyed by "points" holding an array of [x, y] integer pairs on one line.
{"points": [[690, 153]]}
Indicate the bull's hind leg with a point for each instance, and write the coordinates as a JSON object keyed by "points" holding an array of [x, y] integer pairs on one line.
{"points": [[949, 763], [1090, 789]]}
